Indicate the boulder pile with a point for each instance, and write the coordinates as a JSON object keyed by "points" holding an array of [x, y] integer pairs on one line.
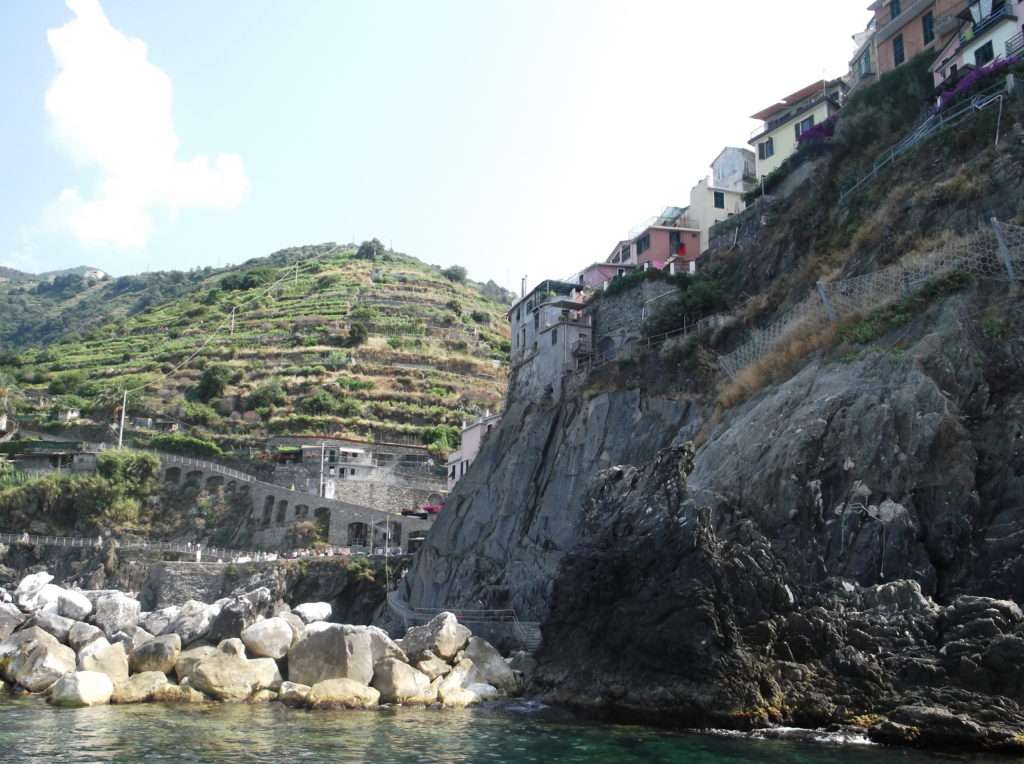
{"points": [[85, 648]]}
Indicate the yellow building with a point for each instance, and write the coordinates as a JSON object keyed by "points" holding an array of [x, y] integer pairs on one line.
{"points": [[778, 138]]}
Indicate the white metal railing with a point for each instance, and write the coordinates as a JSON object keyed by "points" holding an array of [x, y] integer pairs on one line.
{"points": [[155, 546], [1015, 45], [528, 633]]}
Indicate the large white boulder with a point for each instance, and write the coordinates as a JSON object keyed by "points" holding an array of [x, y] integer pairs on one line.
{"points": [[313, 611], [490, 667], [229, 677], [432, 666], [114, 612], [484, 691], [158, 654], [457, 697], [81, 634], [293, 694], [342, 693], [157, 621], [192, 622], [443, 636], [140, 688], [461, 675], [27, 594], [133, 637], [73, 604], [271, 638], [189, 659], [82, 688], [57, 625], [105, 658], [399, 682], [35, 659], [331, 653]]}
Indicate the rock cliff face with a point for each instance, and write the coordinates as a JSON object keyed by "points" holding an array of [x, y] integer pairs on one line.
{"points": [[846, 550]]}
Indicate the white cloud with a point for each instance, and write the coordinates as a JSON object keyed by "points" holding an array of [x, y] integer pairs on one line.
{"points": [[111, 109]]}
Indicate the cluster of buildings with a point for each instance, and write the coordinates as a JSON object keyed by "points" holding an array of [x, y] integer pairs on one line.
{"points": [[556, 327]]}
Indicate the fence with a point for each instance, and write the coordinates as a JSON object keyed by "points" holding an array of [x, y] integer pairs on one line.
{"points": [[994, 253], [932, 125], [71, 542]]}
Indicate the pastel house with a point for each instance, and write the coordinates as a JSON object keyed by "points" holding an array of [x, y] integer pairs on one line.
{"points": [[671, 236], [784, 122], [713, 199], [473, 436], [988, 30], [905, 28]]}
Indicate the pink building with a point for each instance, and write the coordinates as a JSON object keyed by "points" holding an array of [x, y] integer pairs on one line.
{"points": [[596, 275], [671, 236]]}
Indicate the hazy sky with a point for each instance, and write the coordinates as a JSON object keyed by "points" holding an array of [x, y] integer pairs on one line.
{"points": [[512, 137]]}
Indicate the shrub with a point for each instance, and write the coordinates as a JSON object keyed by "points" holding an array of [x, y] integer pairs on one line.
{"points": [[66, 384], [455, 273], [370, 250], [481, 317], [357, 335], [266, 395], [187, 445], [212, 383]]}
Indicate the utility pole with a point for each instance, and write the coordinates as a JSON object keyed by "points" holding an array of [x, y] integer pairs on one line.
{"points": [[120, 432], [233, 319], [323, 445]]}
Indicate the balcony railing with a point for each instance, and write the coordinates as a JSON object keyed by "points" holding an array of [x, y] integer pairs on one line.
{"points": [[791, 114], [1015, 45], [970, 31]]}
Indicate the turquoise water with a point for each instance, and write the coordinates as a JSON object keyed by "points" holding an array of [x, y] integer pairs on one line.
{"points": [[30, 731]]}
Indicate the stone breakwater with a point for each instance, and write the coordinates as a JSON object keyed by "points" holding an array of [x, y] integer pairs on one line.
{"points": [[85, 648]]}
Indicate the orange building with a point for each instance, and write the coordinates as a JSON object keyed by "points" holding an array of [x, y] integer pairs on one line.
{"points": [[904, 28]]}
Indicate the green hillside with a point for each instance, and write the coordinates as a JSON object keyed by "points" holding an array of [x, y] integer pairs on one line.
{"points": [[322, 339]]}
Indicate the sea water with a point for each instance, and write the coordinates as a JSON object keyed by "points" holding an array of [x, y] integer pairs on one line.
{"points": [[31, 731]]}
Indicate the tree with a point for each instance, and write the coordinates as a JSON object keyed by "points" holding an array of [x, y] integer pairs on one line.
{"points": [[212, 383], [370, 250], [455, 273], [264, 396], [357, 335]]}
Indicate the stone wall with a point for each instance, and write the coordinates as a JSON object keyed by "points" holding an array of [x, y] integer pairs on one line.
{"points": [[617, 319]]}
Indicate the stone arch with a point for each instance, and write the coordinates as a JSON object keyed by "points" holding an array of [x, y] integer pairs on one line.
{"points": [[605, 346], [268, 510], [243, 489], [195, 477], [172, 475], [230, 487], [322, 518], [282, 512], [358, 534], [301, 511], [214, 482], [380, 533]]}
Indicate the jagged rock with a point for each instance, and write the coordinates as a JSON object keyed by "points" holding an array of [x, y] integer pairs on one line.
{"points": [[524, 663], [189, 659], [105, 658], [490, 667], [35, 659], [310, 612], [484, 691], [293, 694], [10, 619], [157, 621], [80, 689], [114, 612], [29, 595], [229, 677], [462, 674], [342, 693], [52, 623], [158, 654], [236, 614], [175, 693], [432, 666], [81, 634], [140, 688], [133, 638], [263, 696], [399, 682], [271, 638], [73, 604], [191, 623], [443, 636], [331, 653]]}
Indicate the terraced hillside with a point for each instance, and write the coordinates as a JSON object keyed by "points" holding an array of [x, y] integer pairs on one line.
{"points": [[325, 339]]}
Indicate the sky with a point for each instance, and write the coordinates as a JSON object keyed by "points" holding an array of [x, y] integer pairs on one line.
{"points": [[512, 137]]}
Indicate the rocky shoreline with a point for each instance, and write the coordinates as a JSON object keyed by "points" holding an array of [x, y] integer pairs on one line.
{"points": [[85, 648]]}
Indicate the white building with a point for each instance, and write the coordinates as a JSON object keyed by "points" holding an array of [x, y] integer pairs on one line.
{"points": [[720, 196], [473, 436]]}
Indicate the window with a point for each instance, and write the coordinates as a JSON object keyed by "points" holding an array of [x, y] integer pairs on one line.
{"points": [[554, 336], [984, 54], [766, 149], [643, 244], [928, 27], [719, 200], [895, 9], [517, 314], [803, 126], [351, 472], [898, 54]]}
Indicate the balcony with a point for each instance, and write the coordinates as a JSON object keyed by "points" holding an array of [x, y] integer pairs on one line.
{"points": [[892, 28], [789, 115], [1015, 45], [970, 31]]}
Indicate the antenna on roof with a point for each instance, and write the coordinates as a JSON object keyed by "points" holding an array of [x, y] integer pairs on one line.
{"points": [[523, 288]]}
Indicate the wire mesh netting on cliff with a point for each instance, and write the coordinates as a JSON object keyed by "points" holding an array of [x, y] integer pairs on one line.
{"points": [[995, 252]]}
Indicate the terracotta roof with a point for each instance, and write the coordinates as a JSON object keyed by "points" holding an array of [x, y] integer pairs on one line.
{"points": [[790, 100]]}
